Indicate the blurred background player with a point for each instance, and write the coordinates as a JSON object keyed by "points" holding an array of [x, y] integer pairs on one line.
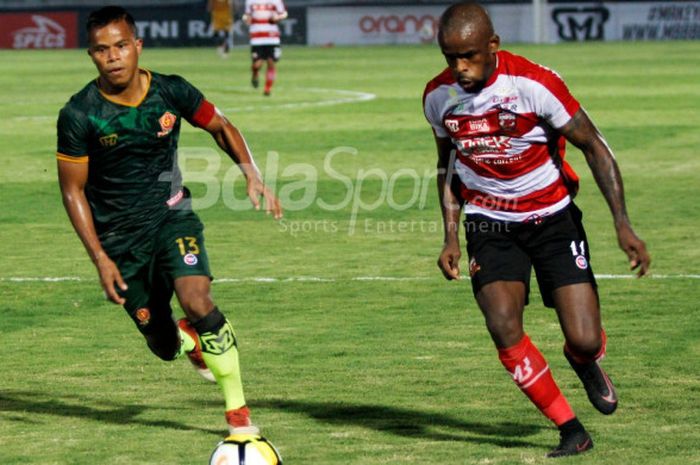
{"points": [[262, 17], [500, 124], [123, 192], [222, 12]]}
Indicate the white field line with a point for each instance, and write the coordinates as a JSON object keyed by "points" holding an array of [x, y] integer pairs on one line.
{"points": [[318, 279], [339, 97], [38, 118], [342, 96]]}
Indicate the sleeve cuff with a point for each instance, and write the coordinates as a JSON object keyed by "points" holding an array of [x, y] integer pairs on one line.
{"points": [[72, 159]]}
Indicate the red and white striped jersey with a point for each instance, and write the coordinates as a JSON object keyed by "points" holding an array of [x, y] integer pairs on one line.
{"points": [[509, 157], [260, 12]]}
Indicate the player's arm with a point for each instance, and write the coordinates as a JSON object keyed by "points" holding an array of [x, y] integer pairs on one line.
{"points": [[231, 141], [247, 14], [280, 12], [72, 178], [581, 132], [450, 206], [277, 17]]}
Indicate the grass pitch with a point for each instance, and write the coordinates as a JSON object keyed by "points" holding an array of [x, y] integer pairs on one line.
{"points": [[339, 366]]}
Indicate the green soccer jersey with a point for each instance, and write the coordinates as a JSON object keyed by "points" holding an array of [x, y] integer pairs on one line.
{"points": [[133, 175]]}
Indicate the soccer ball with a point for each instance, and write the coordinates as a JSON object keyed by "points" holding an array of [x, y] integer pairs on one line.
{"points": [[245, 449]]}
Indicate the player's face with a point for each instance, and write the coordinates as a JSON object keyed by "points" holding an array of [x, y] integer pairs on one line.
{"points": [[115, 51], [471, 55]]}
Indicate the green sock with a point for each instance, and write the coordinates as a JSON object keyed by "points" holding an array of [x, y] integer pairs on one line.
{"points": [[220, 353], [187, 344]]}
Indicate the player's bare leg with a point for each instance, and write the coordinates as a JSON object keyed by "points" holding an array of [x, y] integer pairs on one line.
{"points": [[270, 76], [218, 347], [579, 315], [503, 304], [223, 48], [255, 70]]}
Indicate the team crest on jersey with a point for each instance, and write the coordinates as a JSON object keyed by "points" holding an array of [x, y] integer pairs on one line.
{"points": [[109, 141], [581, 262], [143, 316], [190, 259], [452, 125], [506, 121], [167, 123]]}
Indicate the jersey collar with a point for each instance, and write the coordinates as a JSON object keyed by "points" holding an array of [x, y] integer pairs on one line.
{"points": [[496, 72], [120, 102]]}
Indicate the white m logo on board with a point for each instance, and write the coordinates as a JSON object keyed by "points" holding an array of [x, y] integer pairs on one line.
{"points": [[582, 23]]}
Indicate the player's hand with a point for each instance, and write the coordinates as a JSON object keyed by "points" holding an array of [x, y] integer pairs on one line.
{"points": [[635, 248], [256, 189], [109, 276], [449, 260]]}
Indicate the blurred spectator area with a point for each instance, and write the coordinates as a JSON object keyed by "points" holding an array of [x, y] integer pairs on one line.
{"points": [[51, 4]]}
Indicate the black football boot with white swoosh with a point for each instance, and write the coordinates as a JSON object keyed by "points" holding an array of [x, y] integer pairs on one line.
{"points": [[599, 388]]}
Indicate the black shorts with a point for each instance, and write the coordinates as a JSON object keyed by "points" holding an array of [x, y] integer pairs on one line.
{"points": [[149, 270], [263, 52], [556, 248]]}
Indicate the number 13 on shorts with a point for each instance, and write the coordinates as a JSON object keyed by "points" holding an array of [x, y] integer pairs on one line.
{"points": [[187, 245]]}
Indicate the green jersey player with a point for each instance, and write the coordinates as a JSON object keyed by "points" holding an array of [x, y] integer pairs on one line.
{"points": [[122, 189]]}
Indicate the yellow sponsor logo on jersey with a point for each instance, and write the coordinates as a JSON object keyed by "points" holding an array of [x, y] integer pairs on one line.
{"points": [[109, 141]]}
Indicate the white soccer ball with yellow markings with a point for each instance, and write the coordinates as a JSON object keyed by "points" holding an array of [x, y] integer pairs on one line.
{"points": [[245, 449]]}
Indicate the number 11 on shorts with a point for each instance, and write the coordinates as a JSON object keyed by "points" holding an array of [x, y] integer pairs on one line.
{"points": [[579, 254], [575, 250]]}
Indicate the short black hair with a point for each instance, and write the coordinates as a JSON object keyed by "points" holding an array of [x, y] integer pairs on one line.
{"points": [[459, 15], [109, 14]]}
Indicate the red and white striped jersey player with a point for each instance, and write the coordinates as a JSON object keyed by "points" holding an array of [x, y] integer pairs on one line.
{"points": [[510, 156], [501, 123], [262, 17]]}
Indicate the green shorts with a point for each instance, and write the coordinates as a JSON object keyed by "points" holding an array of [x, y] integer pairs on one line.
{"points": [[149, 270]]}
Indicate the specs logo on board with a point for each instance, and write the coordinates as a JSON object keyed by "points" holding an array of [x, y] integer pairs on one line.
{"points": [[46, 33]]}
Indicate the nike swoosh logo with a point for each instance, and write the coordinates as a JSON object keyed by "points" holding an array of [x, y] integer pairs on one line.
{"points": [[584, 446], [612, 398]]}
